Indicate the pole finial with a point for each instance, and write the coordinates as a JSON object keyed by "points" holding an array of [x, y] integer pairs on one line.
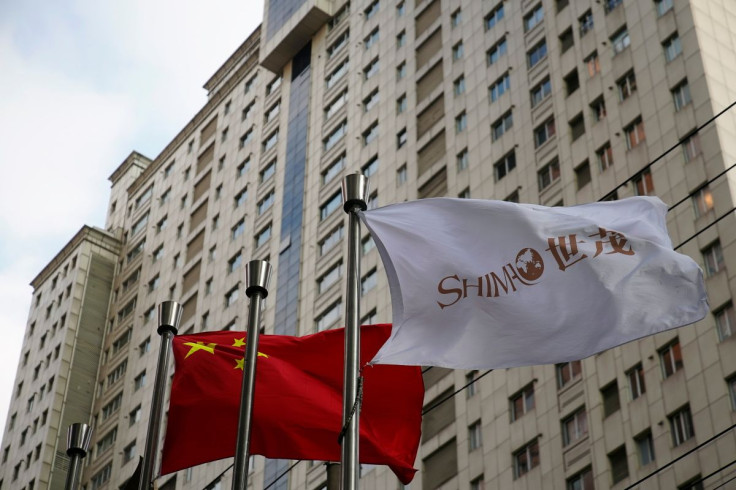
{"points": [[257, 277], [354, 191], [78, 437], [169, 316]]}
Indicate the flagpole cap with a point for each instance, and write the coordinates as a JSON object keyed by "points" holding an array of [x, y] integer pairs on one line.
{"points": [[257, 277], [78, 437], [354, 190], [169, 316]]}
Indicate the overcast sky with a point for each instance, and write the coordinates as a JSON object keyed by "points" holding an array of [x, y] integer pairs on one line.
{"points": [[82, 84]]}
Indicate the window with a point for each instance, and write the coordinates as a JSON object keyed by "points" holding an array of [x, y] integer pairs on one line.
{"points": [[544, 132], [123, 340], [106, 442], [732, 391], [238, 229], [231, 296], [334, 169], [273, 85], [401, 176], [338, 44], [598, 109], [478, 483], [266, 203], [502, 167], [533, 18], [566, 40], [496, 51], [645, 448], [691, 147], [271, 141], [371, 39], [401, 138], [272, 112], [330, 206], [457, 51], [522, 402], [581, 481], [582, 174], [329, 316], [100, 478], [400, 9], [371, 69], [610, 397], [593, 63], [140, 224], [247, 111], [371, 10], [494, 17], [112, 407], [336, 74], [370, 134], [574, 427], [475, 436], [366, 245], [268, 171], [249, 84], [240, 197], [621, 39], [339, 16], [501, 126], [223, 134], [577, 127], [694, 483], [336, 104], [139, 381], [637, 387], [401, 104], [634, 134], [681, 95], [670, 358], [541, 91], [129, 452], [234, 263], [536, 54], [368, 281], [702, 201], [626, 86], [470, 381], [681, 426], [586, 22], [329, 278], [526, 458], [499, 87], [604, 155], [572, 82], [713, 259], [263, 235], [462, 160], [401, 71], [401, 39], [370, 101], [672, 47], [548, 174], [725, 322], [458, 86], [567, 372], [643, 185], [663, 6], [144, 347], [370, 168], [461, 122], [332, 238], [619, 465]]}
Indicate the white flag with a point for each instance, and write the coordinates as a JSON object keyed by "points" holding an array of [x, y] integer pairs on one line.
{"points": [[490, 284]]}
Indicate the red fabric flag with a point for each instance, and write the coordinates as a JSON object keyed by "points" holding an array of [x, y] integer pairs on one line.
{"points": [[297, 409]]}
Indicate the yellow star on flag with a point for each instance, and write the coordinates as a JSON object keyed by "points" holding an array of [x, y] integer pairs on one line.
{"points": [[239, 363], [239, 342], [195, 346]]}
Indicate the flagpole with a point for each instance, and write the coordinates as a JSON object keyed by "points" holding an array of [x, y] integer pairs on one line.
{"points": [[354, 190], [169, 316], [257, 276], [78, 437]]}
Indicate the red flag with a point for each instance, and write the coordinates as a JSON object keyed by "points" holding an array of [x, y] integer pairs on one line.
{"points": [[297, 409]]}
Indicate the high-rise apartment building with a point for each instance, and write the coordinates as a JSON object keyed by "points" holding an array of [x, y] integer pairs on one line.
{"points": [[551, 102]]}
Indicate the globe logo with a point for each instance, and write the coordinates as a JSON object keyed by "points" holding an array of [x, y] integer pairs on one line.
{"points": [[529, 264]]}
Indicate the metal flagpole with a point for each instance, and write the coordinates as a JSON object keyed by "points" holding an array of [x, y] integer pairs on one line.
{"points": [[257, 276], [354, 190], [169, 316], [78, 437]]}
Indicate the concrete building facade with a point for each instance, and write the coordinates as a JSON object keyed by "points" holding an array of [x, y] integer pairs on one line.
{"points": [[550, 102]]}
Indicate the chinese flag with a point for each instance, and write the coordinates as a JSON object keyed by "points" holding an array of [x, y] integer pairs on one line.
{"points": [[297, 410]]}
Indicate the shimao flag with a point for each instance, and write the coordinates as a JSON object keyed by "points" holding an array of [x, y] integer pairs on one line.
{"points": [[297, 412], [491, 284]]}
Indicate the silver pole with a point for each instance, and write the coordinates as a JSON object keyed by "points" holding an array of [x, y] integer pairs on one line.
{"points": [[257, 276], [333, 475], [169, 316], [78, 437], [354, 190]]}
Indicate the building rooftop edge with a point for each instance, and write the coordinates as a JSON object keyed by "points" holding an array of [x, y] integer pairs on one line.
{"points": [[86, 232], [129, 161], [232, 61]]}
